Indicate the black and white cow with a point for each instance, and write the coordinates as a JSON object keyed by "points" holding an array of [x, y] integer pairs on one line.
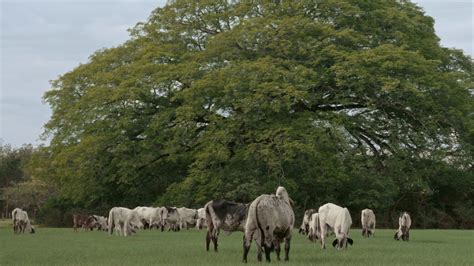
{"points": [[226, 215], [304, 228], [339, 220], [404, 224], [271, 217], [21, 222], [170, 218], [367, 218], [99, 222]]}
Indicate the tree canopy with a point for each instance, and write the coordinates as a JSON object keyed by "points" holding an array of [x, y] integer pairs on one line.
{"points": [[354, 102]]}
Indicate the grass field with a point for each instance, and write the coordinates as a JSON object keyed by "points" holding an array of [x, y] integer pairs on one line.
{"points": [[54, 246]]}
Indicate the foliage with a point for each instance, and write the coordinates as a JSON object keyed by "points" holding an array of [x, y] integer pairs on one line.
{"points": [[339, 100]]}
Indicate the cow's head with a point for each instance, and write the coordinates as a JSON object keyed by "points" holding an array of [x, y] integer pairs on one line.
{"points": [[398, 235], [341, 242], [32, 230]]}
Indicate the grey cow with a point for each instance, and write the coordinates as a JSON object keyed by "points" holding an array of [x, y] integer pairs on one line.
{"points": [[271, 218]]}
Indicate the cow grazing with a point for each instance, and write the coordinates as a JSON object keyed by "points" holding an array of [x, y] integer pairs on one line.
{"points": [[226, 215], [338, 219], [367, 218], [99, 222], [304, 228], [201, 220], [21, 222], [404, 224], [124, 221], [83, 221], [272, 217], [187, 217], [169, 218], [150, 216], [313, 227]]}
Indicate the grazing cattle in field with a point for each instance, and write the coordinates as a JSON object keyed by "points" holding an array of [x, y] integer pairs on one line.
{"points": [[187, 217], [150, 216], [404, 224], [201, 220], [124, 220], [337, 218], [99, 222], [226, 215], [21, 222], [169, 218], [304, 228], [272, 218], [367, 218], [82, 221]]}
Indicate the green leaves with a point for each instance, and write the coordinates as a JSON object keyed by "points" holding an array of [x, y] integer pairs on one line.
{"points": [[232, 98]]}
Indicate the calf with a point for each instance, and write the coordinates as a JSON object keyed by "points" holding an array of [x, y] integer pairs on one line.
{"points": [[367, 218], [226, 215], [83, 221], [272, 218], [304, 228], [337, 218], [404, 224]]}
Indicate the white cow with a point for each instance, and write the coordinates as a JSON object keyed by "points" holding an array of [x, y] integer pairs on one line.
{"points": [[313, 225], [21, 222], [404, 224], [124, 220], [149, 216], [187, 217], [201, 220], [271, 217], [337, 218], [367, 218]]}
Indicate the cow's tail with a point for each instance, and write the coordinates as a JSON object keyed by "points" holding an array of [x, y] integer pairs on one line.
{"points": [[262, 232], [111, 221]]}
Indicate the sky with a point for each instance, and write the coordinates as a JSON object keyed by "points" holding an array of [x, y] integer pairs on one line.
{"points": [[42, 39]]}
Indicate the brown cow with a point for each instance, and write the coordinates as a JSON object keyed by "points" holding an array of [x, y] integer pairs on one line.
{"points": [[81, 220]]}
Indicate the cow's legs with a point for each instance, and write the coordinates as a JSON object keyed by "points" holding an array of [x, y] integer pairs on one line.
{"points": [[287, 248], [276, 243], [247, 241], [267, 252], [323, 235], [208, 239]]}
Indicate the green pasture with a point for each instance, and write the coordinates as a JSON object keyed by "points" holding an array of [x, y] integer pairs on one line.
{"points": [[62, 246]]}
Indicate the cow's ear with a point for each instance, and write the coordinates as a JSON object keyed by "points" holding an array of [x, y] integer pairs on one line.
{"points": [[334, 243], [349, 240]]}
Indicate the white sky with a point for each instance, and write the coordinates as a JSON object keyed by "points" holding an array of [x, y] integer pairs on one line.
{"points": [[41, 40]]}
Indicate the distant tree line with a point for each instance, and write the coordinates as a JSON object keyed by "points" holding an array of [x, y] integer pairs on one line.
{"points": [[343, 101]]}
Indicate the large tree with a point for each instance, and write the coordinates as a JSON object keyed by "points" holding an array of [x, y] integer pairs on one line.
{"points": [[231, 98]]}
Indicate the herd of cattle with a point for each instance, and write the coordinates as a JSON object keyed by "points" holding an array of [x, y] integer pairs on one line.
{"points": [[268, 220]]}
